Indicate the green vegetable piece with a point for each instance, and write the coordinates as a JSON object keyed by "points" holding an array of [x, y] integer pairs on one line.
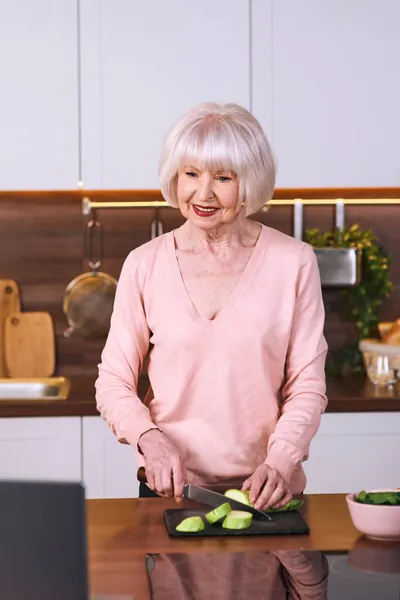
{"points": [[390, 498], [294, 504], [361, 497], [218, 513], [237, 519], [239, 496], [191, 525]]}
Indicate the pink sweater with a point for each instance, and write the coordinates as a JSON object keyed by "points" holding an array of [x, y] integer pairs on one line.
{"points": [[231, 393]]}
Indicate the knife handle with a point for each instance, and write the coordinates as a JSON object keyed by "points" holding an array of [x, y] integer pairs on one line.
{"points": [[141, 475]]}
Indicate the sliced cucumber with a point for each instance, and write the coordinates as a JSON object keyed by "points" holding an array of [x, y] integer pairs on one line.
{"points": [[191, 525], [240, 496], [243, 497], [218, 513], [292, 505], [237, 519]]}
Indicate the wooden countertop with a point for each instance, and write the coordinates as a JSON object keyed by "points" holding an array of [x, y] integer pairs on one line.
{"points": [[122, 532], [353, 394]]}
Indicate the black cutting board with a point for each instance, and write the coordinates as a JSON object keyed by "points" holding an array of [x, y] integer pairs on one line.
{"points": [[282, 523]]}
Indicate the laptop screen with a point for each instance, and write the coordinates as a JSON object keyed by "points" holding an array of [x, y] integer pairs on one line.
{"points": [[42, 541]]}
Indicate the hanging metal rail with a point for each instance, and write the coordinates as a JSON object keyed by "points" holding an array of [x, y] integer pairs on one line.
{"points": [[88, 205]]}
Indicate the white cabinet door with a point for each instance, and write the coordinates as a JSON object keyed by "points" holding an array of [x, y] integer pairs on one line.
{"points": [[143, 64], [354, 451], [39, 95], [109, 468], [40, 448], [326, 85]]}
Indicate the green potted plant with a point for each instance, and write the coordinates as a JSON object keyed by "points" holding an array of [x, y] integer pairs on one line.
{"points": [[360, 303]]}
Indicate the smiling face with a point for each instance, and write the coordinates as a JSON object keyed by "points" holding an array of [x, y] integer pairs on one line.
{"points": [[207, 198]]}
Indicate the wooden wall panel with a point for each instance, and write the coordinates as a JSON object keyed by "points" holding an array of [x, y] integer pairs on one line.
{"points": [[42, 248]]}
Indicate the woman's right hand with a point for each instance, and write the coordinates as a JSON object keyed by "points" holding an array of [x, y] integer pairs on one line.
{"points": [[165, 466]]}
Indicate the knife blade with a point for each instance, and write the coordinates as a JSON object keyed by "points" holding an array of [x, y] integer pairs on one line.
{"points": [[214, 499], [210, 498]]}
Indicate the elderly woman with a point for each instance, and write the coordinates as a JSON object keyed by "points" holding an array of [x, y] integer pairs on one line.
{"points": [[229, 315]]}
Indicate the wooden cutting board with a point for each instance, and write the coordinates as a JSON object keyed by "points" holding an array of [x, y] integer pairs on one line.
{"points": [[9, 304], [29, 344]]}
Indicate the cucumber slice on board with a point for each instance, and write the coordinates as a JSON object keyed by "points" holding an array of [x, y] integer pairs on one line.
{"points": [[218, 513], [243, 497], [237, 519], [292, 505], [191, 525], [239, 496]]}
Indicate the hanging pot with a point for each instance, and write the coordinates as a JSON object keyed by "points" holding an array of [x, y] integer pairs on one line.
{"points": [[89, 298]]}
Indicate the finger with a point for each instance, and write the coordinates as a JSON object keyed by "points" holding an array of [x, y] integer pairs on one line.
{"points": [[158, 484], [246, 485], [277, 495], [166, 480], [150, 478], [266, 493], [178, 474], [285, 500], [257, 481]]}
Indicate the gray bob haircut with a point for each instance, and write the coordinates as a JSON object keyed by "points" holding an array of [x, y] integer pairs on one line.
{"points": [[223, 137]]}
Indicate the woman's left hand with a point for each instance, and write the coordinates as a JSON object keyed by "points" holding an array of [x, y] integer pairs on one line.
{"points": [[267, 488]]}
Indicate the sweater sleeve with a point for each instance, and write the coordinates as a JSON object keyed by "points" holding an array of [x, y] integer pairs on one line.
{"points": [[304, 392], [122, 360]]}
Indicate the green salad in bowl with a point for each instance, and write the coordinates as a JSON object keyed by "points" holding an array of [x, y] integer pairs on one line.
{"points": [[384, 498]]}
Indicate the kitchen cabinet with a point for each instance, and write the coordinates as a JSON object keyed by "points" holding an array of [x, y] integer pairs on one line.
{"points": [[354, 451], [39, 100], [109, 468], [142, 67], [350, 451], [326, 88], [41, 448]]}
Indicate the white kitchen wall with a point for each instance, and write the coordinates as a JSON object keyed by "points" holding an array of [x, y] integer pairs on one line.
{"points": [[39, 95], [326, 85], [143, 65], [322, 77]]}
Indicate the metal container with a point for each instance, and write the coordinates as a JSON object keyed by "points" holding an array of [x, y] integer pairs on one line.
{"points": [[38, 389], [339, 267]]}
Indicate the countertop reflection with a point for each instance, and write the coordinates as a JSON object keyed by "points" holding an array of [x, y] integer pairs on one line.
{"points": [[278, 575]]}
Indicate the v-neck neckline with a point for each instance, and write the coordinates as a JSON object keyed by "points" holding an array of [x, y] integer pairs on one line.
{"points": [[237, 291]]}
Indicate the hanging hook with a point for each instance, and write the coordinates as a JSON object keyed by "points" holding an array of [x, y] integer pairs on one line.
{"points": [[156, 226], [298, 220], [94, 225], [339, 219]]}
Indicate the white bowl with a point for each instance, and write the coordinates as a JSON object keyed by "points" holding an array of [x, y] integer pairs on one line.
{"points": [[373, 520]]}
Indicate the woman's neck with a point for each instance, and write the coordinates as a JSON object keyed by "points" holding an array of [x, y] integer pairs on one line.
{"points": [[239, 233]]}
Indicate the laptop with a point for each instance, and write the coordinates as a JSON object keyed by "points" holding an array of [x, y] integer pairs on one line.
{"points": [[43, 552]]}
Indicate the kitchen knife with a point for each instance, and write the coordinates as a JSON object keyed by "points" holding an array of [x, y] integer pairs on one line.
{"points": [[214, 499], [210, 498]]}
